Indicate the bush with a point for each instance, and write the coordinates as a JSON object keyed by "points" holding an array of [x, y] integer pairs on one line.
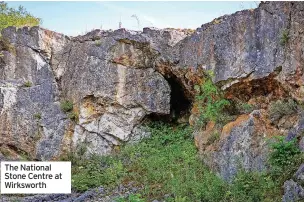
{"points": [[254, 186], [280, 108], [167, 163], [73, 116], [211, 103], [284, 159], [96, 171], [66, 106], [16, 17]]}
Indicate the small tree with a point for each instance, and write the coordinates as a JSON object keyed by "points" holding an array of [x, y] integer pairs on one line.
{"points": [[16, 17]]}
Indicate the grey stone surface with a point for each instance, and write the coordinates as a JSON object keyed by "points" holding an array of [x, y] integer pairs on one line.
{"points": [[116, 78], [292, 191]]}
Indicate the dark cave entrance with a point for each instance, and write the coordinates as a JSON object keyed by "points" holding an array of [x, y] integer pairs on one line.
{"points": [[180, 104]]}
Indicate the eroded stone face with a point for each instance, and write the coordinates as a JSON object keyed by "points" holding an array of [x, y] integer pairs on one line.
{"points": [[242, 144], [31, 122], [116, 78]]}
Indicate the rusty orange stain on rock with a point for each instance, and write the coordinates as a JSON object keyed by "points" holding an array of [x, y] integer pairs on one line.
{"points": [[228, 127]]}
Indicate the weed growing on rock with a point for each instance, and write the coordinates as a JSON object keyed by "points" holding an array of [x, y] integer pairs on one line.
{"points": [[285, 159], [254, 186], [73, 116], [37, 116], [16, 17], [66, 106], [242, 107], [210, 102], [284, 37], [27, 84]]}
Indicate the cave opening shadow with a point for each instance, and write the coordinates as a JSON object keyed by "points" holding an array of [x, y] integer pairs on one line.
{"points": [[179, 103]]}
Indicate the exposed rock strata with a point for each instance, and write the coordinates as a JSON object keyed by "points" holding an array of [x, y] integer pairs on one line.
{"points": [[116, 78]]}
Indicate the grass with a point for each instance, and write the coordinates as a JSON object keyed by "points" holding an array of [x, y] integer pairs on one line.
{"points": [[73, 116], [66, 106], [284, 37], [167, 165], [27, 84]]}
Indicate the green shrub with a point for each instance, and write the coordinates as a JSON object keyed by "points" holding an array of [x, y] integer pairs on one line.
{"points": [[16, 17], [211, 103], [167, 164], [96, 171], [27, 84], [284, 159], [254, 186], [284, 37], [243, 107], [37, 116], [283, 152], [66, 106], [280, 108], [73, 116], [131, 198]]}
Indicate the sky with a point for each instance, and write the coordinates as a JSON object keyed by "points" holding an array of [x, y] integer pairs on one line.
{"points": [[75, 18]]}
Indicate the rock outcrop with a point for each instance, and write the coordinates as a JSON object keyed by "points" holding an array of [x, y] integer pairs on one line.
{"points": [[115, 79]]}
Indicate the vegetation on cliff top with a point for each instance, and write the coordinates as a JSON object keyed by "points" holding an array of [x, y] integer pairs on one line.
{"points": [[16, 17]]}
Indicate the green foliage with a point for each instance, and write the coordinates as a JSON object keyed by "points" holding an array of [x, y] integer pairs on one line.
{"points": [[66, 106], [285, 159], [280, 108], [73, 116], [96, 171], [254, 186], [37, 116], [243, 107], [283, 152], [284, 37], [211, 103], [27, 84], [167, 164], [16, 17], [97, 42], [131, 198]]}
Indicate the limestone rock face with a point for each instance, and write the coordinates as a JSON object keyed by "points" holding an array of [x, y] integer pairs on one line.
{"points": [[115, 79], [31, 122]]}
